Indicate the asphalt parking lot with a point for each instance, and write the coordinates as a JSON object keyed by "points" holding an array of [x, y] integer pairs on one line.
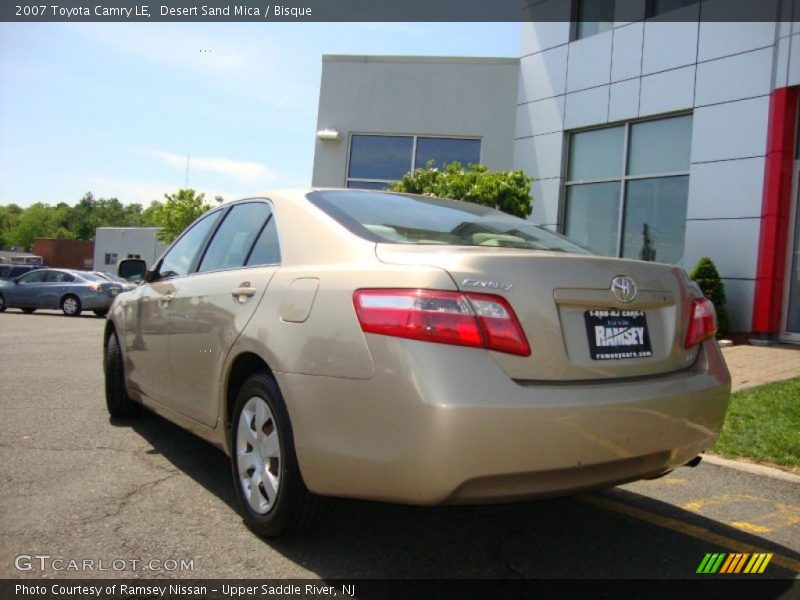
{"points": [[77, 486]]}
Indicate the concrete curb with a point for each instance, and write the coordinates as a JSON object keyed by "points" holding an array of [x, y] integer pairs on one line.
{"points": [[748, 467]]}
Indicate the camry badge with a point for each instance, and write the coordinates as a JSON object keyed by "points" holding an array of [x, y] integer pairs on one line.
{"points": [[624, 289], [492, 285]]}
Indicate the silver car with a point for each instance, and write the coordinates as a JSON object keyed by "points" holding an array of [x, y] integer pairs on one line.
{"points": [[71, 291], [409, 349], [126, 285]]}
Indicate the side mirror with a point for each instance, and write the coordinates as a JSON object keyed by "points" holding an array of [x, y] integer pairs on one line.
{"points": [[132, 269]]}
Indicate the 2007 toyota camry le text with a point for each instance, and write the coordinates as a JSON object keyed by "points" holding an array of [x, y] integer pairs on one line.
{"points": [[401, 348]]}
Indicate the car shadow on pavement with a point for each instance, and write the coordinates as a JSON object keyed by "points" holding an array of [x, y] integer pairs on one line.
{"points": [[572, 537], [57, 313], [201, 461]]}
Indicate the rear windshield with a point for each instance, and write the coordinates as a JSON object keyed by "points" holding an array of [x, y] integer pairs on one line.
{"points": [[93, 277], [407, 219]]}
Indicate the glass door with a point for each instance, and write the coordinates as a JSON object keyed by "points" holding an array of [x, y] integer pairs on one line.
{"points": [[791, 314]]}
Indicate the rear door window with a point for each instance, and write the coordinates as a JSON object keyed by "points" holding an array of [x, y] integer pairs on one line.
{"points": [[59, 277], [233, 241], [267, 250]]}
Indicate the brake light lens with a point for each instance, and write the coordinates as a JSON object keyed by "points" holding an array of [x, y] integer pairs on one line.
{"points": [[702, 322], [474, 320]]}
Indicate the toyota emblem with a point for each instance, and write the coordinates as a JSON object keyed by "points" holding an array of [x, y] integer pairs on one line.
{"points": [[624, 289]]}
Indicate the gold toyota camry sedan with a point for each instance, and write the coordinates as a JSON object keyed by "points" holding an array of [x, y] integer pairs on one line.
{"points": [[364, 344]]}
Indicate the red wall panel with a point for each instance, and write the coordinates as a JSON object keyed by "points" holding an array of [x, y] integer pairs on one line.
{"points": [[775, 211], [67, 254]]}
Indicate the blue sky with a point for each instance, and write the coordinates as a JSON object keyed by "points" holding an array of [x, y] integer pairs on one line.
{"points": [[114, 108]]}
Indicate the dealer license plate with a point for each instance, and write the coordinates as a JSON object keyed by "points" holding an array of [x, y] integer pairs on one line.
{"points": [[617, 334]]}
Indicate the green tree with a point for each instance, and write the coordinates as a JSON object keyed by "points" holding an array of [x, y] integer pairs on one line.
{"points": [[150, 215], [9, 218], [509, 191], [36, 221], [90, 213], [177, 212], [705, 275], [20, 226]]}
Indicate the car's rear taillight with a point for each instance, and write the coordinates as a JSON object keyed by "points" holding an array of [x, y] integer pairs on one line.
{"points": [[476, 320], [702, 322]]}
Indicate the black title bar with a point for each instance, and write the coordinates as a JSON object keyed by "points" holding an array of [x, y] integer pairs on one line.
{"points": [[728, 588], [385, 11]]}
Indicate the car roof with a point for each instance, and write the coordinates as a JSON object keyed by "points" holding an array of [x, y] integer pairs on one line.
{"points": [[269, 194], [70, 271]]}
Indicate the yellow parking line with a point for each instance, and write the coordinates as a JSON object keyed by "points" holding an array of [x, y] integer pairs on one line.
{"points": [[750, 527], [695, 531], [783, 515]]}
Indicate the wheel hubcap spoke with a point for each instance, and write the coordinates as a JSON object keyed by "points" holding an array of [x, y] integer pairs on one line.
{"points": [[256, 498], [261, 416], [246, 434], [247, 463], [270, 446], [270, 486]]}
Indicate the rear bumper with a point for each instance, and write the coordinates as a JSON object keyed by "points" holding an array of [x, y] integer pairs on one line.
{"points": [[434, 427], [96, 301]]}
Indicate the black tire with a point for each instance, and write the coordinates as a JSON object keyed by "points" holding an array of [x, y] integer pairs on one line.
{"points": [[67, 306], [295, 509], [100, 313], [29, 311], [2, 303], [117, 401]]}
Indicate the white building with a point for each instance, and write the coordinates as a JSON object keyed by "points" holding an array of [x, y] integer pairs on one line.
{"points": [[393, 113], [682, 131], [112, 244]]}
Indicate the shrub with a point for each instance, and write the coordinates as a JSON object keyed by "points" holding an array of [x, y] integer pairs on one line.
{"points": [[705, 274], [508, 191]]}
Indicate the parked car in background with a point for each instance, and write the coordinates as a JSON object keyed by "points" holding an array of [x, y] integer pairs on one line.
{"points": [[127, 286], [410, 349], [9, 272], [71, 291]]}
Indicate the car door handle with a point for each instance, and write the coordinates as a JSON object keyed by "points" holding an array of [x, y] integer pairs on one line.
{"points": [[243, 292], [165, 300]]}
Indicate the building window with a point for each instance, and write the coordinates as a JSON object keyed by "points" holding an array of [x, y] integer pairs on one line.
{"points": [[661, 7], [110, 258], [593, 17], [377, 160], [627, 189]]}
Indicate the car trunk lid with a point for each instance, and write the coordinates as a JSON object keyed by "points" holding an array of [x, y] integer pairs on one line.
{"points": [[576, 327]]}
